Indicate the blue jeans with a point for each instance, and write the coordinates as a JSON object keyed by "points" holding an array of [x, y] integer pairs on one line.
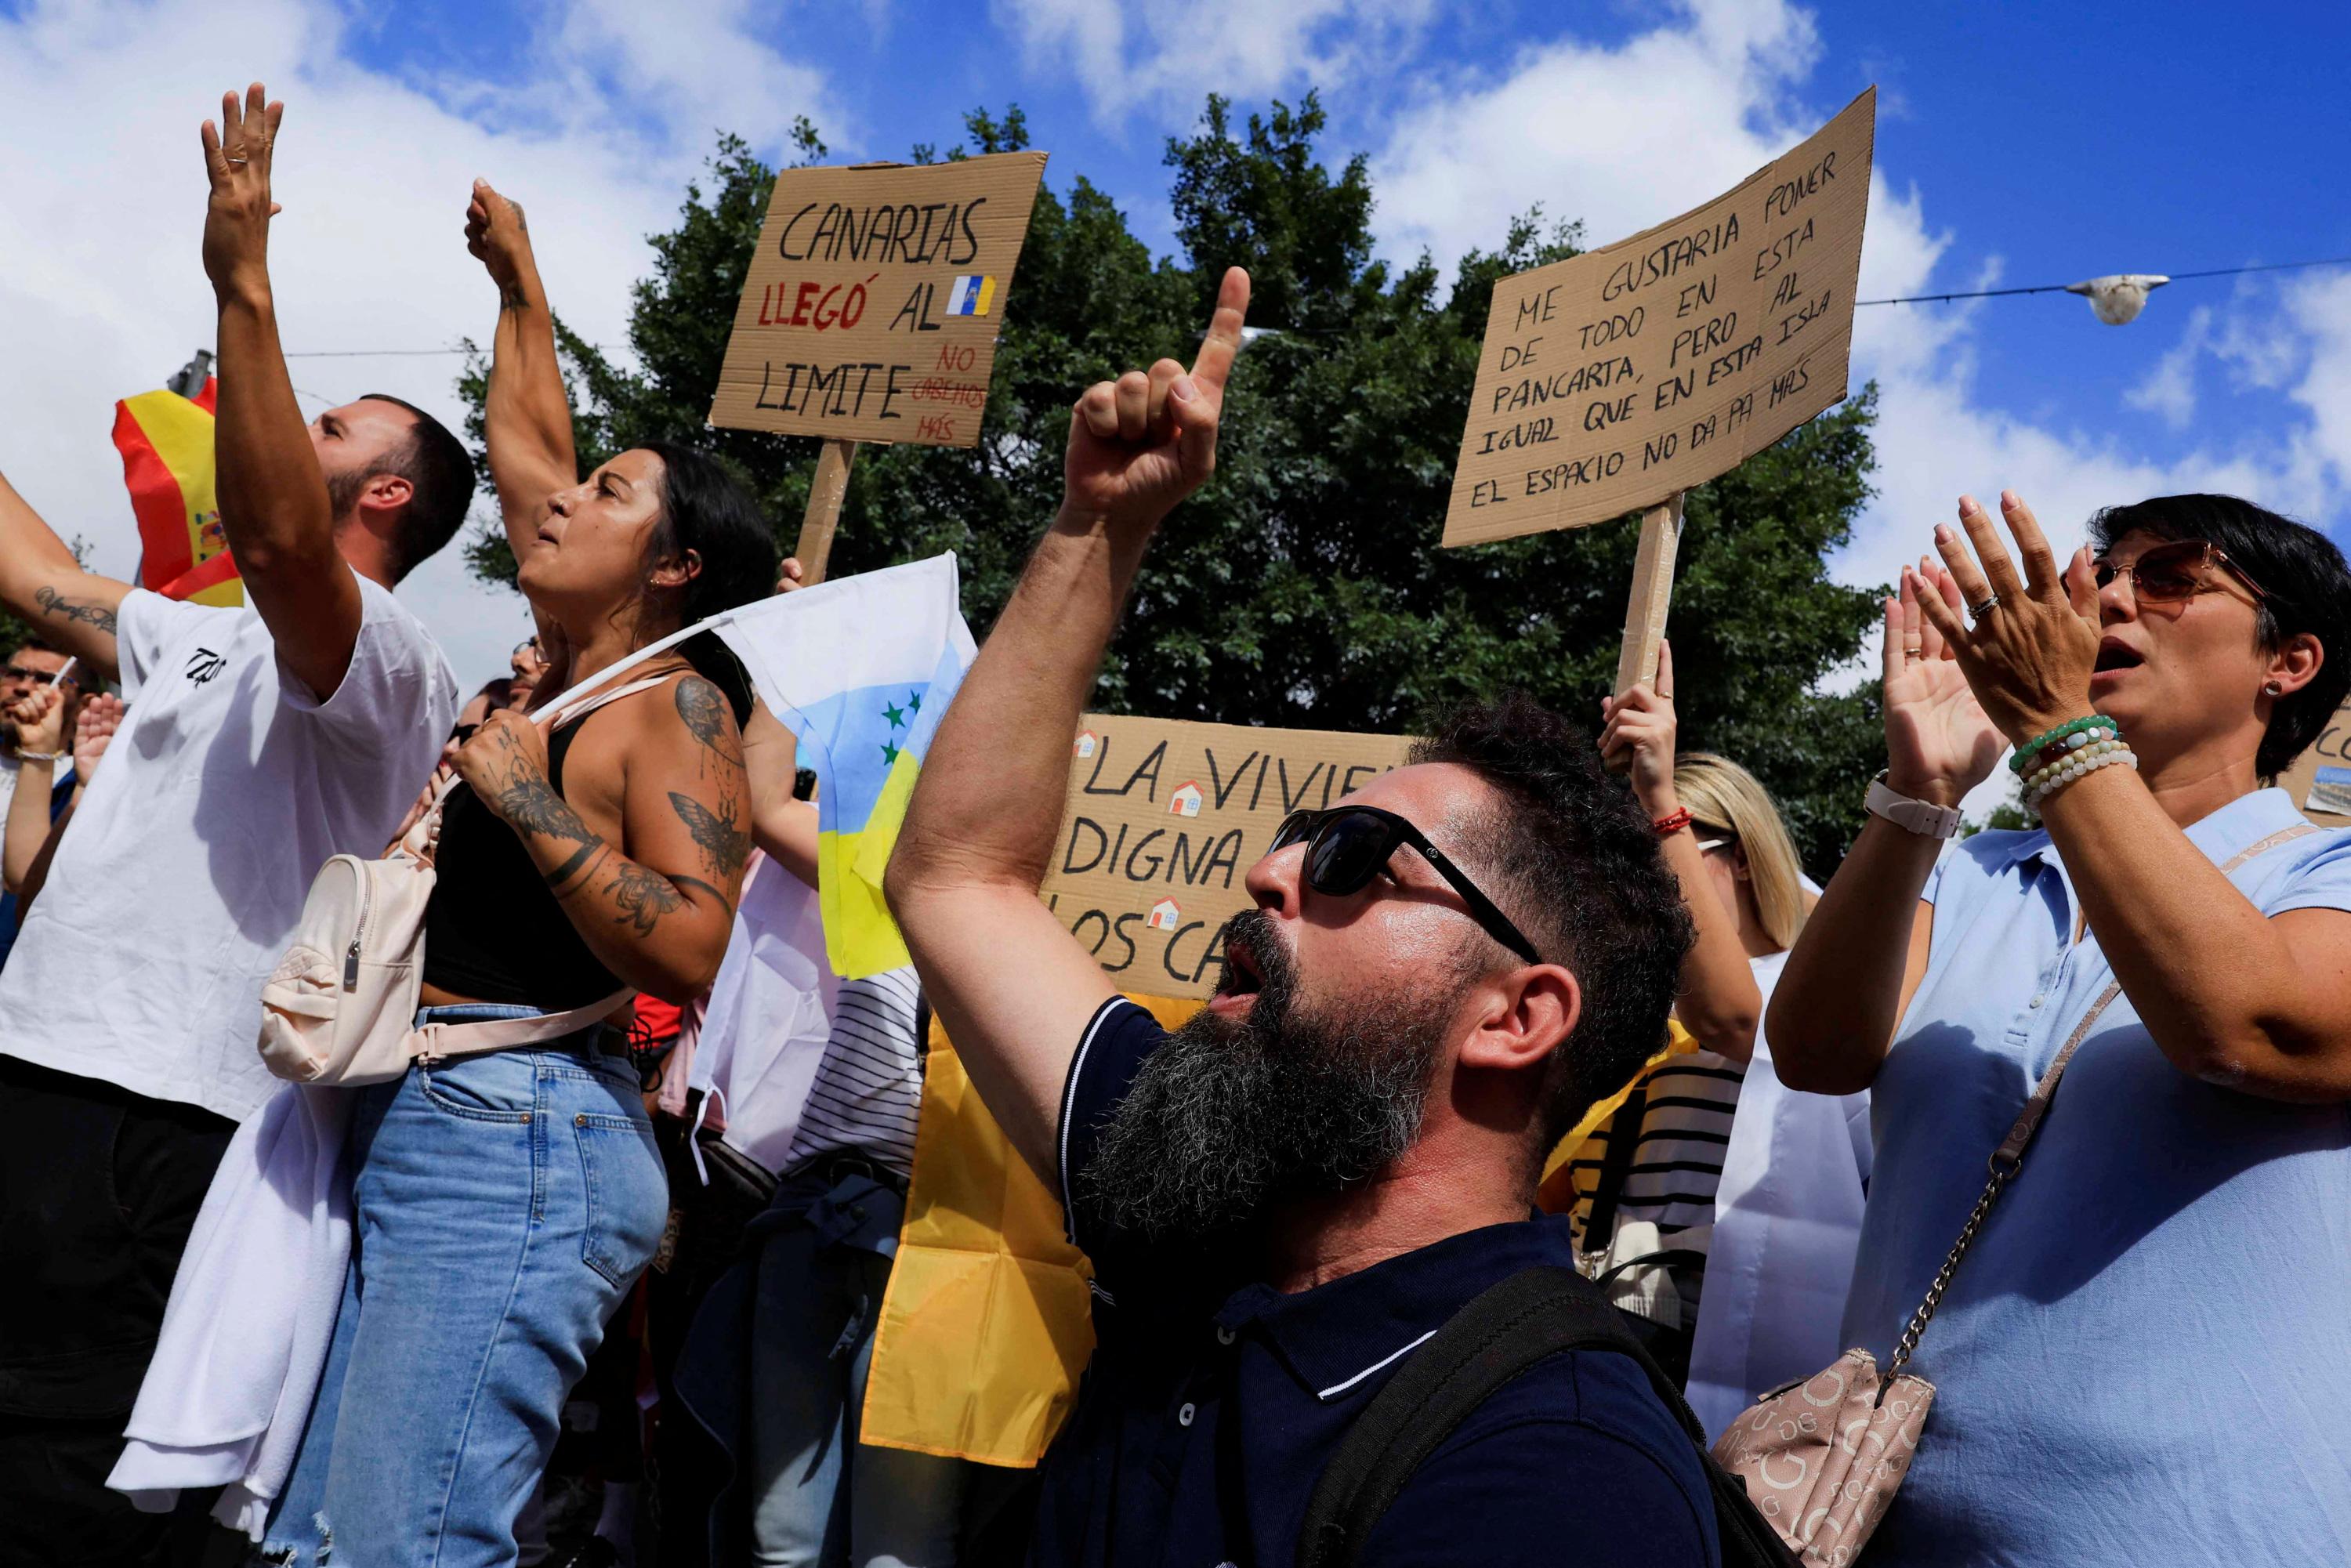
{"points": [[820, 1498], [502, 1206]]}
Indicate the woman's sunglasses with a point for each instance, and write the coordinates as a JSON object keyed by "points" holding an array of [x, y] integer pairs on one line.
{"points": [[2170, 572], [1346, 846]]}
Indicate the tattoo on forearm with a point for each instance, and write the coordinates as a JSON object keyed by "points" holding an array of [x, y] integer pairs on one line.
{"points": [[52, 602], [564, 873], [511, 297], [709, 719], [529, 802], [724, 843], [643, 898]]}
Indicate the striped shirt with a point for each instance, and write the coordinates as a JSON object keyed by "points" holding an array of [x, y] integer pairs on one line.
{"points": [[1677, 1161], [868, 1090]]}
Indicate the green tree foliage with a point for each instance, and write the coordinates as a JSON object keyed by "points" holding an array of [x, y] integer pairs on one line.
{"points": [[1305, 586]]}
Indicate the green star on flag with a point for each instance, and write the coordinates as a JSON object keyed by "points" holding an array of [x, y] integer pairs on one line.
{"points": [[895, 715], [889, 753]]}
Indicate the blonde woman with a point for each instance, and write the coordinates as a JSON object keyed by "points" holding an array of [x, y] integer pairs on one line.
{"points": [[1788, 1202]]}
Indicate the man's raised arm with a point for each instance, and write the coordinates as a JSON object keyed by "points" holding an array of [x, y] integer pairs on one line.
{"points": [[1012, 987], [273, 496], [47, 587]]}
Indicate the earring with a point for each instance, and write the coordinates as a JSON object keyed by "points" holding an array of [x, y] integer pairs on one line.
{"points": [[2273, 689]]}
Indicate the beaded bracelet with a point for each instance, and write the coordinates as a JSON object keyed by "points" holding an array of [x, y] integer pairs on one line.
{"points": [[2066, 772], [1672, 823], [2041, 743], [2081, 743]]}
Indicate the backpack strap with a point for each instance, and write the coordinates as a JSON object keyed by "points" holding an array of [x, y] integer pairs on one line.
{"points": [[1621, 1139], [438, 1042], [1528, 1318]]}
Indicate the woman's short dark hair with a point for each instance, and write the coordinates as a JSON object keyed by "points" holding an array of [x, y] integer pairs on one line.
{"points": [[2305, 587], [703, 508]]}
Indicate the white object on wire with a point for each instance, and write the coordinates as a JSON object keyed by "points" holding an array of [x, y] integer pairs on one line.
{"points": [[2119, 296]]}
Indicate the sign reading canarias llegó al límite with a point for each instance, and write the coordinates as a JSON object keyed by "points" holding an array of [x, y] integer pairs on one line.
{"points": [[871, 306]]}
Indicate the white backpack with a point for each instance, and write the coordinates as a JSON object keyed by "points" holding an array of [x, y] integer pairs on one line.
{"points": [[341, 1006]]}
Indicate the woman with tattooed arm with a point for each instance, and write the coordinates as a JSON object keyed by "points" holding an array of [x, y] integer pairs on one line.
{"points": [[505, 1202]]}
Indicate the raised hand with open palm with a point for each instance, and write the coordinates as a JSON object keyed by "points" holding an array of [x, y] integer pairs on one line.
{"points": [[1139, 445], [1938, 743]]}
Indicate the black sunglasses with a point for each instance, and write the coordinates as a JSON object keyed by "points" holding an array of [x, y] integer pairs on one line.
{"points": [[1346, 846]]}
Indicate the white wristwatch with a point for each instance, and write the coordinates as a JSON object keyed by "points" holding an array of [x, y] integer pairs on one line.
{"points": [[1923, 817]]}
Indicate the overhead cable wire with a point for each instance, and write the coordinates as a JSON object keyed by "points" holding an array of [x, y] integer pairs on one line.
{"points": [[2067, 287]]}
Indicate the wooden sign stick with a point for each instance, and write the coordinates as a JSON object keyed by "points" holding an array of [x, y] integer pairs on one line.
{"points": [[826, 492], [1653, 592]]}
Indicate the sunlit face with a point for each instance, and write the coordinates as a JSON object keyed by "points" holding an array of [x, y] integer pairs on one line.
{"points": [[592, 542], [31, 667], [352, 443], [2174, 673], [1405, 930]]}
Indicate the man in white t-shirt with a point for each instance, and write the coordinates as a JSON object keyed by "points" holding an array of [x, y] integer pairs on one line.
{"points": [[258, 742]]}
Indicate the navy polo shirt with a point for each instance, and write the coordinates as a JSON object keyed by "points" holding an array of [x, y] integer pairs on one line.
{"points": [[1213, 1402]]}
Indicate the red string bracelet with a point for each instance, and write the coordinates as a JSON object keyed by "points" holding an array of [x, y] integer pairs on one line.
{"points": [[1672, 823]]}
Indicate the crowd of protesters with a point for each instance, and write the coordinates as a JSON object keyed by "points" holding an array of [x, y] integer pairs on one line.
{"points": [[1541, 1005]]}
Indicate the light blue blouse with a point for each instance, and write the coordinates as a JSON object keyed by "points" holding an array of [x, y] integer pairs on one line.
{"points": [[2146, 1358]]}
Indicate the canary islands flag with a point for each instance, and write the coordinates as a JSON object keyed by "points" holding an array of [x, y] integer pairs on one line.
{"points": [[166, 442], [860, 670]]}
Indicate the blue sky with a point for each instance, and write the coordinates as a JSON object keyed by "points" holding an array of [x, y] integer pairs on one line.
{"points": [[2016, 144]]}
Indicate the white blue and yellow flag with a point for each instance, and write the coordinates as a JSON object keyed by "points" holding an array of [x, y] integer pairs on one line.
{"points": [[860, 670]]}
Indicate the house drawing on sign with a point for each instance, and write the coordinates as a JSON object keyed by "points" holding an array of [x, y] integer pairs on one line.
{"points": [[1087, 743], [1185, 800], [1164, 914]]}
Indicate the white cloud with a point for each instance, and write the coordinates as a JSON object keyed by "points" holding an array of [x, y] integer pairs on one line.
{"points": [[1164, 59], [1621, 137], [104, 296], [2169, 389]]}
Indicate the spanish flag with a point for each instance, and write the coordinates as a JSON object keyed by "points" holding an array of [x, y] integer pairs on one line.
{"points": [[166, 442], [861, 671]]}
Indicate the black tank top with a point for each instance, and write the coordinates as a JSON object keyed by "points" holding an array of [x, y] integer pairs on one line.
{"points": [[493, 932]]}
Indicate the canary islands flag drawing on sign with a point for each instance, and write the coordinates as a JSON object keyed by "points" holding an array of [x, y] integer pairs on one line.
{"points": [[860, 670], [166, 442]]}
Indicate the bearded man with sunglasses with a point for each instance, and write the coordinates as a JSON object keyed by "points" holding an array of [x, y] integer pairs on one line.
{"points": [[2144, 1354], [1286, 1197]]}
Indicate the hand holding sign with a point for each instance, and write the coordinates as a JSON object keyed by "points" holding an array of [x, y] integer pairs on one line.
{"points": [[237, 153], [1638, 733], [1140, 445]]}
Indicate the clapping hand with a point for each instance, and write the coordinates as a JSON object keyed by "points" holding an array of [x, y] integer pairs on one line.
{"points": [[1140, 445], [1938, 744], [237, 155], [94, 729], [2034, 641]]}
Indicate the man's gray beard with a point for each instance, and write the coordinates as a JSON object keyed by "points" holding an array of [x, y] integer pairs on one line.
{"points": [[1227, 1119]]}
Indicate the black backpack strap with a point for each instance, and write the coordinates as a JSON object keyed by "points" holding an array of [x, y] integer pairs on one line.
{"points": [[1526, 1318], [1621, 1139]]}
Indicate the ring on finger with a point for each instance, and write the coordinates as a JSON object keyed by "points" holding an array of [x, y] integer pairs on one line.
{"points": [[1989, 602], [233, 158]]}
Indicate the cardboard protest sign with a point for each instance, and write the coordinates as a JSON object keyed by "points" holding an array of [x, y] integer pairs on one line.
{"points": [[1614, 379], [2320, 778], [1166, 817], [871, 306]]}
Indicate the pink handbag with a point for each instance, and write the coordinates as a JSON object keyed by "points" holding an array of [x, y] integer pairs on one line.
{"points": [[1821, 1458]]}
